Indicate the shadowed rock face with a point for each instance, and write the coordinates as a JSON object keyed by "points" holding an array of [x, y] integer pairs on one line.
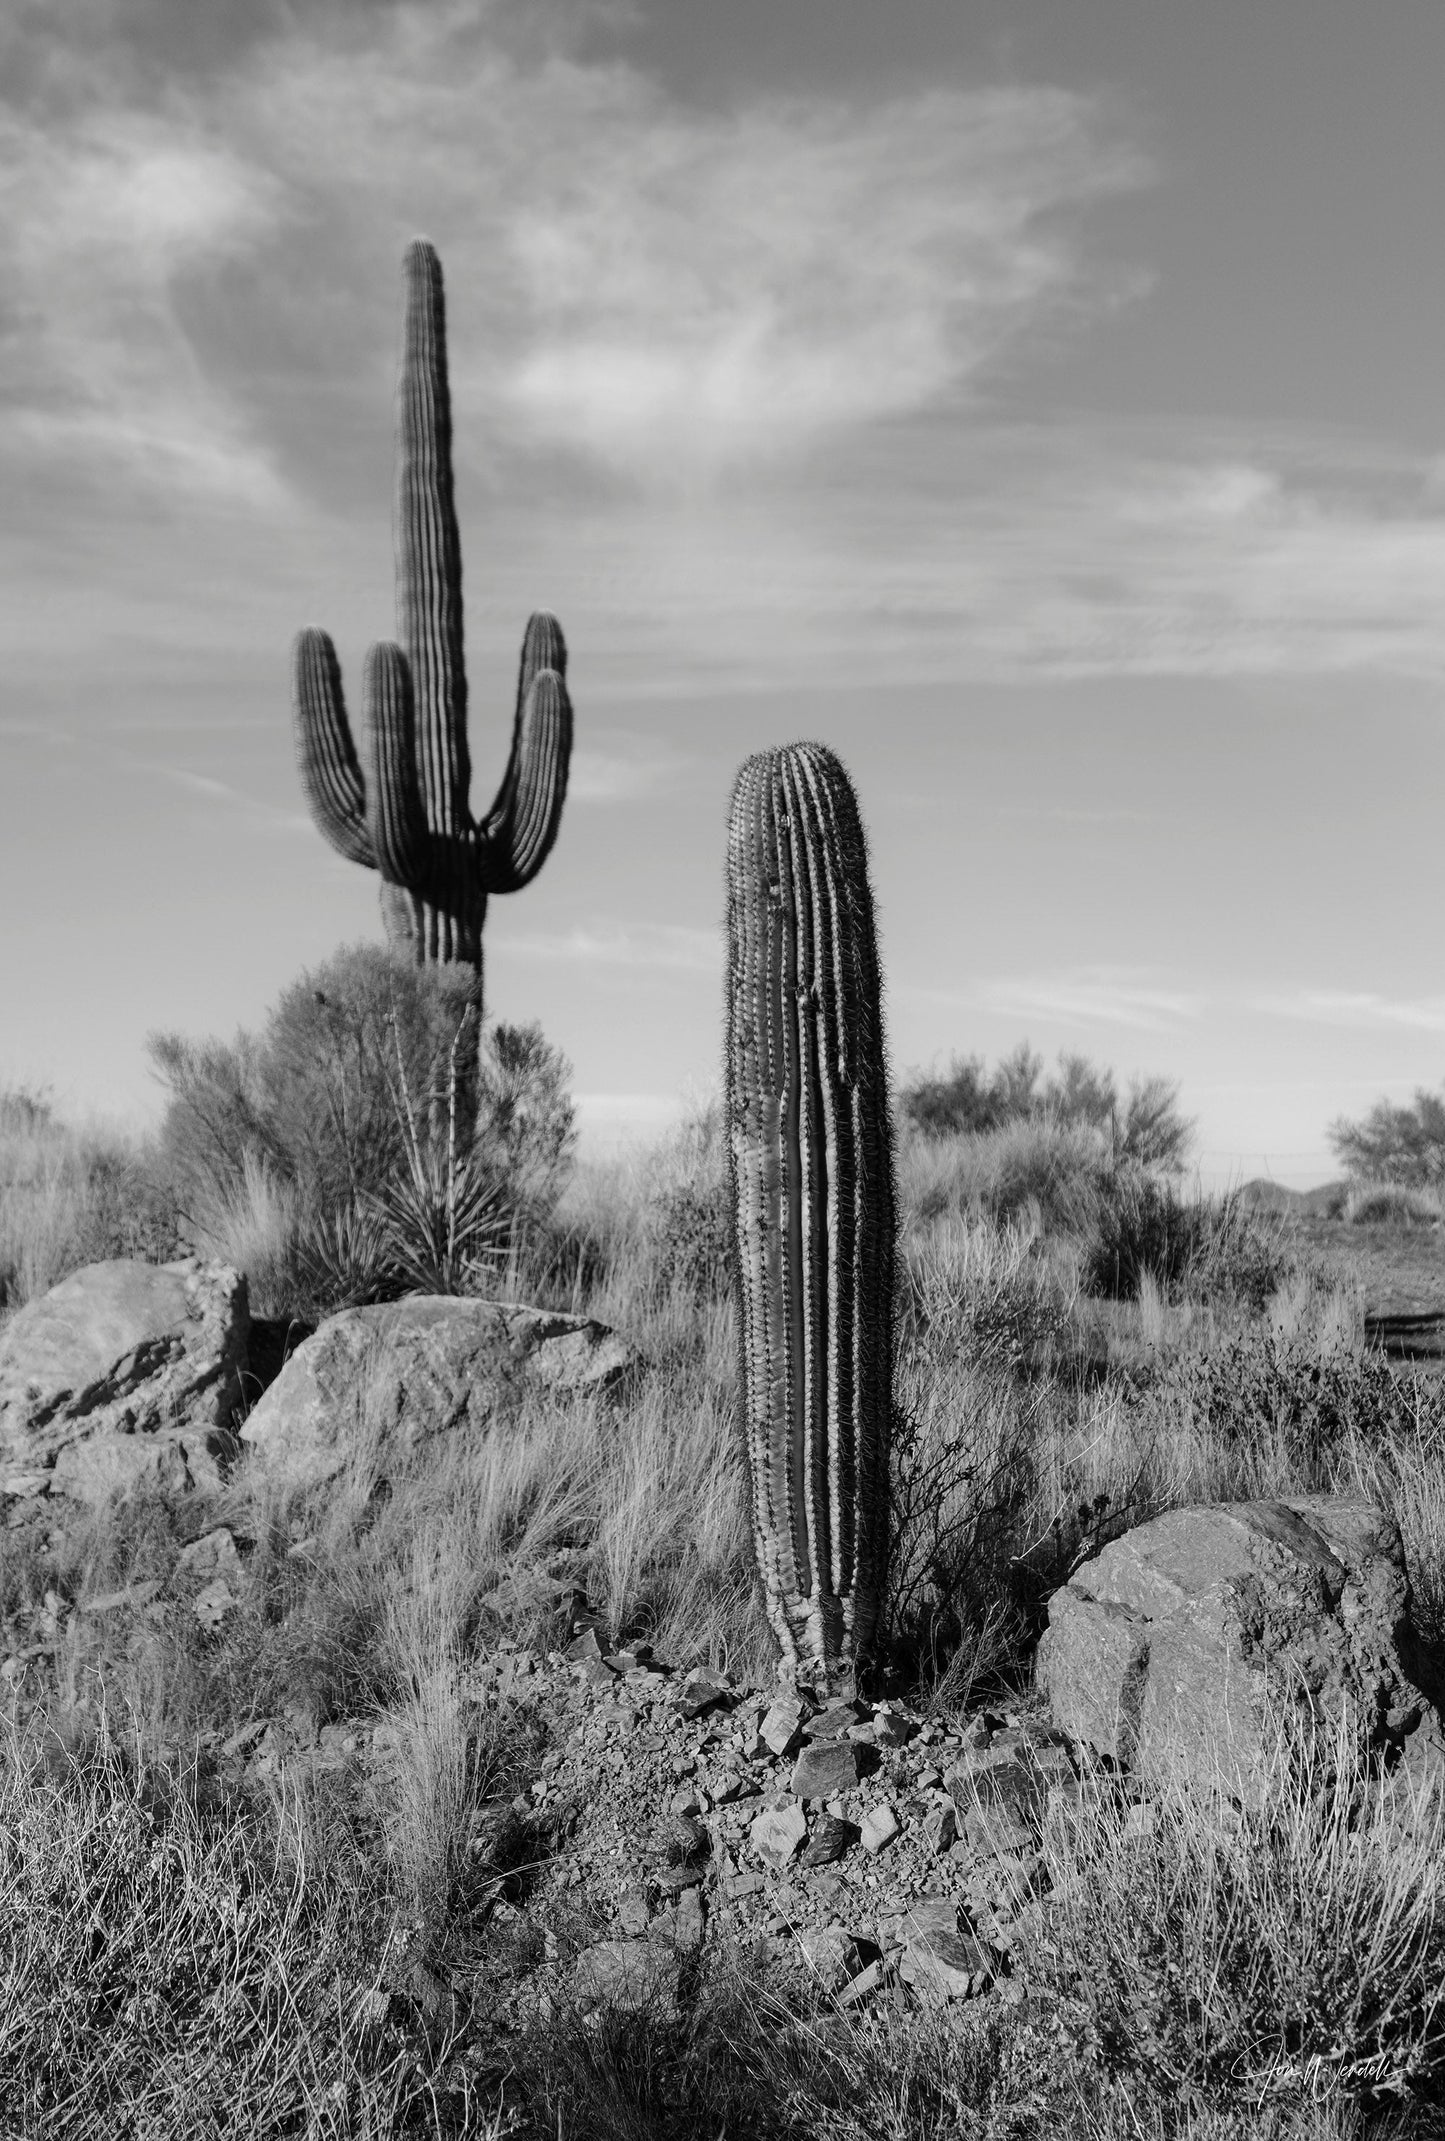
{"points": [[122, 1378], [391, 1377], [1180, 1644]]}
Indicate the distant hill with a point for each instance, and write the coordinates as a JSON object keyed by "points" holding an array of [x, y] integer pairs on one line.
{"points": [[1326, 1202]]}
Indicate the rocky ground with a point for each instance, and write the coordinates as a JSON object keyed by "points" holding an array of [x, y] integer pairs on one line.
{"points": [[887, 1855]]}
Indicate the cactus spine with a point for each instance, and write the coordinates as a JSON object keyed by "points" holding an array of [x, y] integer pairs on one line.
{"points": [[812, 1178], [407, 813]]}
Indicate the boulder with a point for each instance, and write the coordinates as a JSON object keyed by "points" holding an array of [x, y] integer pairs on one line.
{"points": [[123, 1379], [384, 1380], [1182, 1645]]}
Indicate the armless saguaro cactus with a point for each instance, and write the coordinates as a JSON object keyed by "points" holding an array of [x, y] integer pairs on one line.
{"points": [[812, 1173], [407, 815]]}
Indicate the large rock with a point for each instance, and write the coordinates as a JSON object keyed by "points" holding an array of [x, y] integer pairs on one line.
{"points": [[1183, 1643], [122, 1379], [385, 1379]]}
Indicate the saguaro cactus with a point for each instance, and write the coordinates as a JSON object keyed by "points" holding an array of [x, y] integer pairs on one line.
{"points": [[812, 1174], [408, 815]]}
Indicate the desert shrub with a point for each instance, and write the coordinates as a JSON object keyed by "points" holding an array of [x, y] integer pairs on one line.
{"points": [[367, 1140], [1211, 1249], [1391, 1204], [1047, 1175], [653, 1227], [315, 1096], [1146, 1128], [525, 1122], [130, 1208], [994, 1295], [1393, 1143], [73, 1196], [1259, 1389]]}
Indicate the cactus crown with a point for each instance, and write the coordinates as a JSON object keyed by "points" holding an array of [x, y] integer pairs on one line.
{"points": [[405, 812], [812, 1172]]}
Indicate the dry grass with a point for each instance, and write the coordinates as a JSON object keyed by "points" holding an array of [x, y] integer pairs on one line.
{"points": [[1237, 1960], [71, 1195], [370, 1596], [174, 1967], [251, 1223], [1391, 1204]]}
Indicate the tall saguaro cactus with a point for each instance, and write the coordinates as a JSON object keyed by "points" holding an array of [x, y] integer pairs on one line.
{"points": [[812, 1174], [407, 813]]}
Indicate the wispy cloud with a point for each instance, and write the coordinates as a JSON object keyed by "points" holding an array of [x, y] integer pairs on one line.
{"points": [[106, 214], [772, 321], [665, 289], [220, 795], [1359, 1008], [654, 945], [1093, 995]]}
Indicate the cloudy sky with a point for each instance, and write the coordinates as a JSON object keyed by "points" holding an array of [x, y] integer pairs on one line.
{"points": [[1040, 402]]}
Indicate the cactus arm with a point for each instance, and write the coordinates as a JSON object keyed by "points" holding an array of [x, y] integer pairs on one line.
{"points": [[411, 816], [325, 755], [428, 547], [516, 836], [812, 1179], [394, 816]]}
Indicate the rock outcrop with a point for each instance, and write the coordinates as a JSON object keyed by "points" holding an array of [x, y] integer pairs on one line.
{"points": [[382, 1380], [123, 1379], [1182, 1645]]}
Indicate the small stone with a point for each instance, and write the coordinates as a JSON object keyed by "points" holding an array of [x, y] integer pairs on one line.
{"points": [[686, 1802], [214, 1554], [925, 1916], [595, 1671], [780, 1729], [689, 1920], [995, 1833], [134, 1595], [867, 1981], [831, 1953], [824, 1767], [633, 1914], [743, 1884], [672, 1880], [1140, 1821], [683, 1840], [832, 1723], [880, 1826], [946, 1966], [214, 1603], [702, 1691], [831, 1839], [583, 1646], [246, 1736], [940, 1829], [778, 1833], [976, 1734], [892, 1729]]}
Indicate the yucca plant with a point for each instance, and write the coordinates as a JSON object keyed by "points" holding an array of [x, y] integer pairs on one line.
{"points": [[445, 1220]]}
